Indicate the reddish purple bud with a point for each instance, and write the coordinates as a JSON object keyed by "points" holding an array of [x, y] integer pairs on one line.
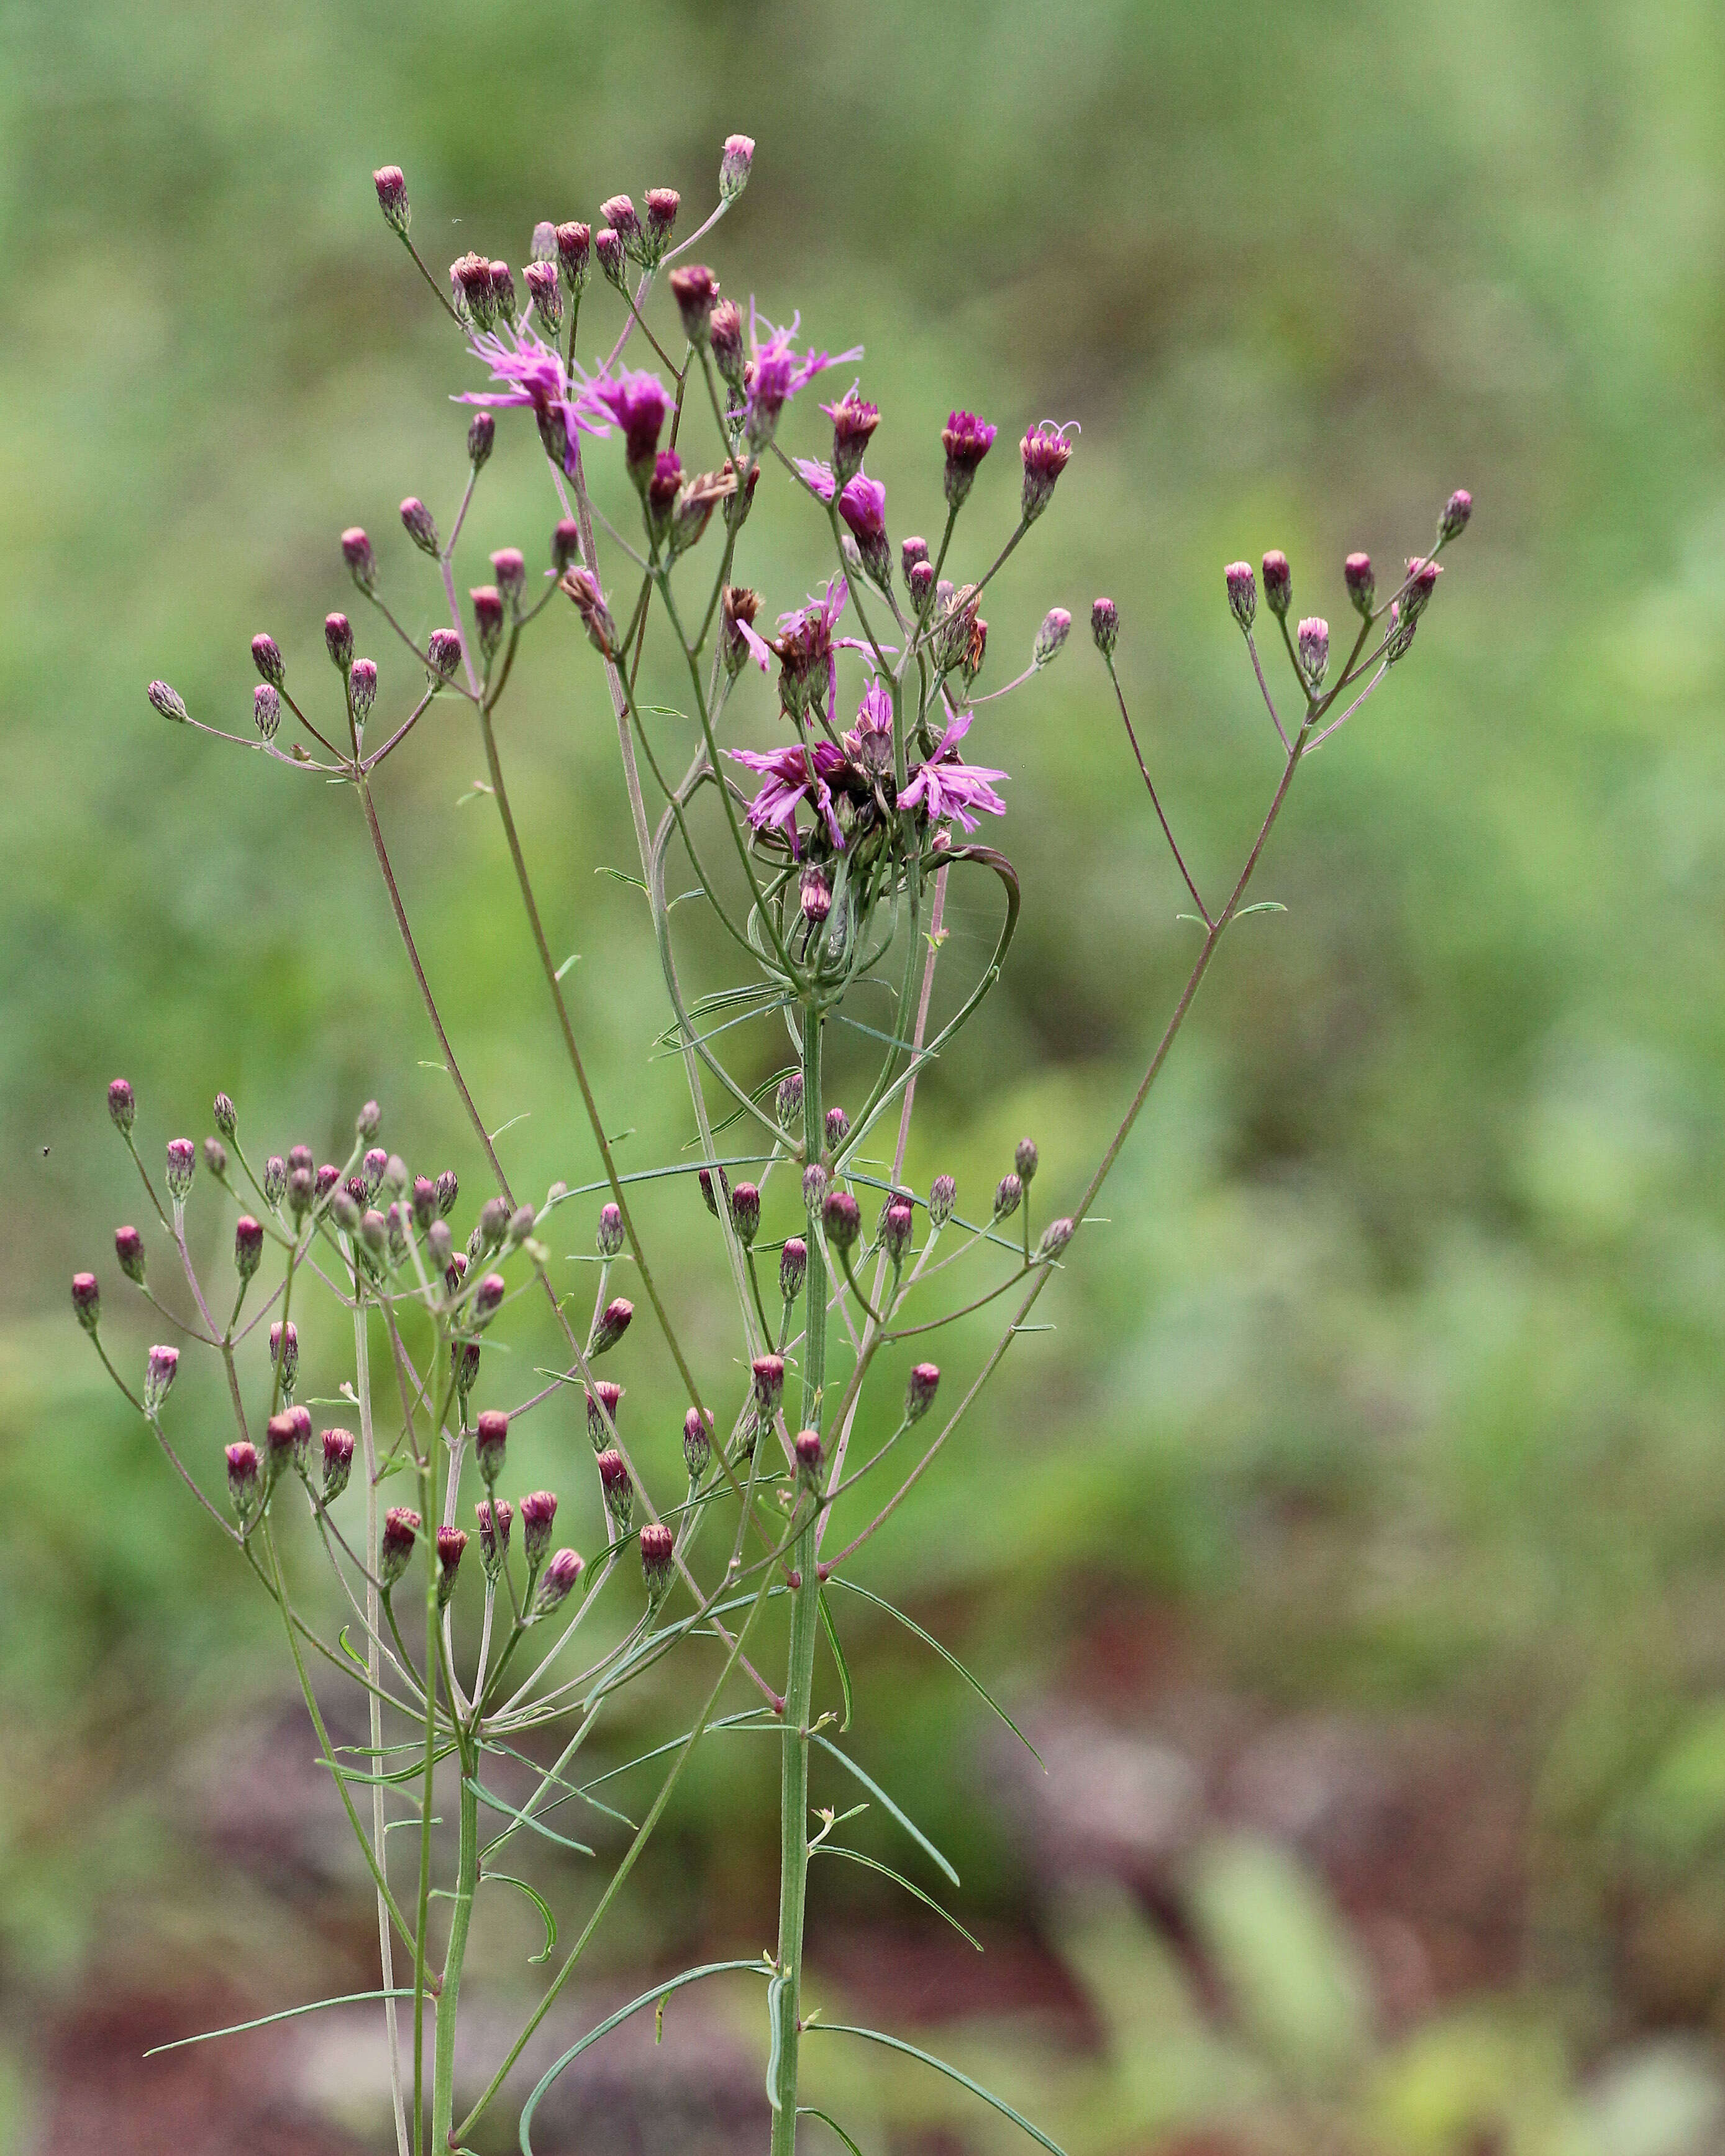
{"points": [[920, 1390], [181, 1166], [787, 1103], [539, 1509], [338, 640], [401, 1530], [734, 162], [919, 580], [464, 1357], [299, 1156], [703, 1177], [745, 1212], [510, 570], [121, 1105], [166, 701], [574, 244], [613, 1324], [443, 648], [481, 434], [912, 551], [362, 688], [853, 423], [281, 1434], [561, 1575], [488, 617], [493, 1223], [420, 526], [793, 1265], [546, 289], [619, 1492], [838, 1127], [87, 1300], [565, 543], [244, 1486], [610, 1237], [1421, 582], [337, 1462], [1314, 646], [1025, 1159], [696, 292], [1105, 626], [814, 894], [1242, 592], [768, 1375], [895, 1226], [968, 440], [1007, 1194], [1457, 511], [810, 1452], [129, 1249], [1278, 583], [274, 1180], [266, 657], [392, 198], [1362, 584], [248, 1245], [374, 1163], [841, 1219], [1051, 637], [657, 1546], [1056, 1236], [618, 212], [450, 1543], [488, 1298], [582, 588], [285, 1354], [814, 1188], [1046, 452], [215, 1158], [942, 1197], [362, 562], [663, 204], [493, 1516], [697, 1443], [608, 246], [266, 710], [603, 1399], [158, 1377], [503, 292]]}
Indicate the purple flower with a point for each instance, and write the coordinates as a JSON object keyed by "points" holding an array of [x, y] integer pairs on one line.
{"points": [[869, 743], [793, 775], [536, 377], [776, 372], [967, 440], [637, 401], [946, 787], [805, 647]]}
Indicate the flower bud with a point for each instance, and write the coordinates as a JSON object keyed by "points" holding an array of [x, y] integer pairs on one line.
{"points": [[362, 688], [392, 198], [793, 1264], [853, 423], [158, 1377], [580, 586], [603, 1401], [285, 1354], [299, 1156], [493, 1515], [337, 1462], [1007, 1194], [420, 526], [745, 1212], [1421, 582], [810, 1452], [248, 1245], [181, 1166], [610, 1238], [1242, 592], [613, 1324], [503, 293], [697, 1443], [607, 245], [87, 1302], [1457, 511], [967, 440], [896, 1224], [374, 1164], [725, 338], [1056, 1236], [814, 894], [920, 1389], [487, 617], [663, 204], [338, 640], [464, 1361], [1046, 452], [561, 1575], [565, 543], [703, 1177], [441, 1244], [1362, 584], [215, 1158], [1025, 1158], [539, 1510], [942, 1197], [281, 1434], [546, 289], [619, 1492], [301, 1188], [450, 1543], [1051, 637], [511, 570], [735, 161], [166, 701], [841, 1219], [121, 1105], [838, 1127], [129, 1249], [266, 657], [275, 1181], [493, 1223], [814, 1188], [244, 1485], [266, 710], [1278, 583], [657, 1546], [401, 1529], [1105, 626], [1314, 646], [488, 1298], [425, 1202], [768, 1372], [345, 1211], [362, 562], [482, 433], [788, 1102], [919, 580]]}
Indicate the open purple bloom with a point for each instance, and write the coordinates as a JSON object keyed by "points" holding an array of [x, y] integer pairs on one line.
{"points": [[776, 372], [536, 376], [793, 774], [806, 649], [637, 401], [869, 743], [946, 787]]}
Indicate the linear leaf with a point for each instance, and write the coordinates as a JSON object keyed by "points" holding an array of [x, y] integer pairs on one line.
{"points": [[808, 2111], [826, 1619], [904, 1818], [940, 2065], [910, 1886], [522, 1819], [540, 1903], [946, 1655], [263, 2021]]}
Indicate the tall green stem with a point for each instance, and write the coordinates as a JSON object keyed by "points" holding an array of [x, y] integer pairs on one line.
{"points": [[786, 1994], [442, 2083]]}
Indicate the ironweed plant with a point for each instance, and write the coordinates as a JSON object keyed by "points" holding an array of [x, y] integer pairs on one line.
{"points": [[825, 869]]}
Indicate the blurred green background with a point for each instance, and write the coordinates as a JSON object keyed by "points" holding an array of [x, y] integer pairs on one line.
{"points": [[1356, 1541]]}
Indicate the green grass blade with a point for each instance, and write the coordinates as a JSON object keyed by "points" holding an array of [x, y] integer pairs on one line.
{"points": [[940, 2065]]}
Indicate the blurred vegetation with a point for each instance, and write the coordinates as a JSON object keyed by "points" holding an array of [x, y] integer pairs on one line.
{"points": [[1395, 1384]]}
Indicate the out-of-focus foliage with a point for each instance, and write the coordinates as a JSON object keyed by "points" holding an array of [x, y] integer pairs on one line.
{"points": [[1395, 1382]]}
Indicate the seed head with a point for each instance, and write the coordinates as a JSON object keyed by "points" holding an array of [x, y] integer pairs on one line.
{"points": [[1242, 592], [248, 1245], [337, 1462], [610, 1238], [657, 1546], [697, 1443], [561, 1575], [493, 1515], [841, 1219], [618, 1491], [1278, 583], [401, 1530], [613, 1324], [181, 1166], [450, 1543], [1314, 644], [745, 1212], [1007, 1194], [129, 1249], [87, 1302], [166, 701], [122, 1106], [158, 1377], [392, 198], [920, 1389], [338, 640], [735, 161], [602, 1401], [1362, 584], [942, 1196]]}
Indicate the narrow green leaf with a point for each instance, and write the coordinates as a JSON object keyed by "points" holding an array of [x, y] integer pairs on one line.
{"points": [[904, 1818], [617, 876], [946, 1654], [540, 1903], [940, 2065], [521, 1819], [826, 1619], [263, 2021], [660, 1992], [856, 1856], [775, 1992], [391, 1780], [808, 2111]]}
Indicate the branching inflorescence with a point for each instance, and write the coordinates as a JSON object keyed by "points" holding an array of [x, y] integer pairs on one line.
{"points": [[827, 869]]}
